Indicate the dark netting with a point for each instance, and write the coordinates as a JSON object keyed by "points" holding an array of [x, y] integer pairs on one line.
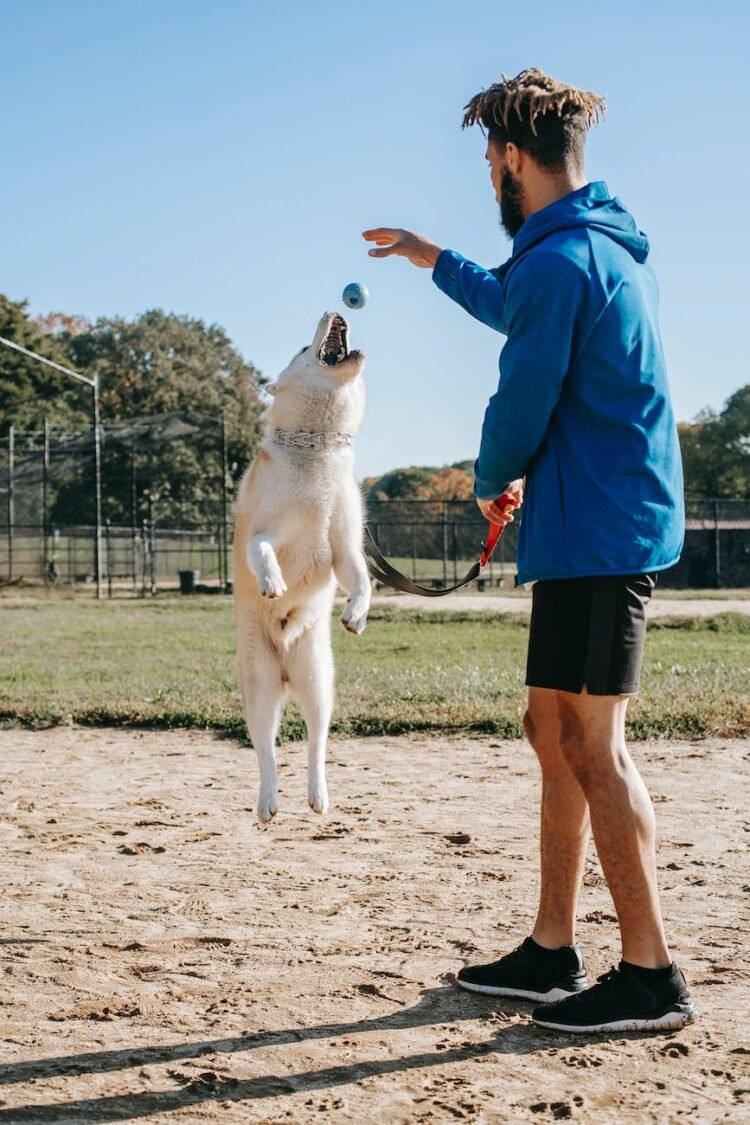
{"points": [[717, 546], [166, 497]]}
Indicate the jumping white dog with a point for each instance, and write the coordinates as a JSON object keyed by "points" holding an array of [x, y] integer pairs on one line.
{"points": [[299, 530]]}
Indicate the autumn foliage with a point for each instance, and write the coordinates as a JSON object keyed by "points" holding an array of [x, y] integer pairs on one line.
{"points": [[452, 482]]}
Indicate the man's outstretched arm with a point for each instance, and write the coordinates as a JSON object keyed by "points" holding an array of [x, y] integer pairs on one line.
{"points": [[475, 289]]}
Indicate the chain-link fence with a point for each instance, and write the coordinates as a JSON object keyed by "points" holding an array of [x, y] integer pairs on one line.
{"points": [[152, 558], [717, 546], [177, 517], [166, 496], [433, 543]]}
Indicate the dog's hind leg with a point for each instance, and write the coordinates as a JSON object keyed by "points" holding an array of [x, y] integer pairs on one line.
{"points": [[262, 715], [311, 681], [263, 693]]}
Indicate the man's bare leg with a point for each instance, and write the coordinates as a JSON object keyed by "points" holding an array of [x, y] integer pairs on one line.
{"points": [[544, 967], [622, 819], [564, 824]]}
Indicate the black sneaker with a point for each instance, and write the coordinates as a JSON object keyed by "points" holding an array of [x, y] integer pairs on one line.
{"points": [[529, 973], [624, 999]]}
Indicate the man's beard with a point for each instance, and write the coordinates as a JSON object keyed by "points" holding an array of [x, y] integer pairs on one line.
{"points": [[512, 214]]}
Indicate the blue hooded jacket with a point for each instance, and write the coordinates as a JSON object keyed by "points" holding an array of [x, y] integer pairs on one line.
{"points": [[582, 409]]}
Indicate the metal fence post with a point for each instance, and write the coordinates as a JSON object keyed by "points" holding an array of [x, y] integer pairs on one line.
{"points": [[152, 545], [11, 497], [144, 556], [107, 530], [717, 545], [224, 579], [45, 502], [445, 543], [133, 523], [454, 538], [98, 486]]}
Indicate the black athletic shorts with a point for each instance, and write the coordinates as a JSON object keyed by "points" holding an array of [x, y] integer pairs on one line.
{"points": [[588, 632]]}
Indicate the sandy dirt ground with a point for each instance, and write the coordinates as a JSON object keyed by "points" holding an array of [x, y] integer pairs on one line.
{"points": [[496, 603], [164, 958]]}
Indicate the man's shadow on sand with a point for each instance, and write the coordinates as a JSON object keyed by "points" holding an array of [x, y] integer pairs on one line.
{"points": [[443, 1005]]}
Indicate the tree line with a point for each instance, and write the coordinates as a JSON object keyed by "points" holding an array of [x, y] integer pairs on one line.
{"points": [[153, 365], [715, 454], [161, 363]]}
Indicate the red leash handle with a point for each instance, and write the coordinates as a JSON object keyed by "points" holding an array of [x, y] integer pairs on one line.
{"points": [[496, 530]]}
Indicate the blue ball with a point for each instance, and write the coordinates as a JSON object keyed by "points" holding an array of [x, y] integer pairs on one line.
{"points": [[355, 295]]}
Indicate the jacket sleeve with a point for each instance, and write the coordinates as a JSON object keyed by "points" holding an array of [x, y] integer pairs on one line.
{"points": [[472, 287], [544, 307]]}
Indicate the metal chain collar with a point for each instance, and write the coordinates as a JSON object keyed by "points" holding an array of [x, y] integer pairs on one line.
{"points": [[303, 439]]}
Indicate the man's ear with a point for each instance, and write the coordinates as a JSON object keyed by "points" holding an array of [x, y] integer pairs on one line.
{"points": [[271, 388], [513, 158]]}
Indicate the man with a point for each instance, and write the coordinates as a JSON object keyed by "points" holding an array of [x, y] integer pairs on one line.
{"points": [[582, 412]]}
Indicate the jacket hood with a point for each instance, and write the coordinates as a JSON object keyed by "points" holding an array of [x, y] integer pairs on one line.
{"points": [[590, 206]]}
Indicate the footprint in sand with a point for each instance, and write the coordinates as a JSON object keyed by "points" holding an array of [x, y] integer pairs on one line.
{"points": [[599, 916], [198, 943], [674, 1050], [558, 1110], [333, 833], [194, 907], [102, 1012], [582, 1060]]}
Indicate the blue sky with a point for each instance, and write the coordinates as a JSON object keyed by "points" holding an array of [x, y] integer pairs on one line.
{"points": [[221, 158]]}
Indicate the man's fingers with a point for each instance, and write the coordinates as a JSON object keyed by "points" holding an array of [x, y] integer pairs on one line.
{"points": [[384, 253], [500, 515], [379, 233]]}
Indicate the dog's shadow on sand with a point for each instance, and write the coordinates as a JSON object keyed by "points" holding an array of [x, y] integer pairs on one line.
{"points": [[439, 1006]]}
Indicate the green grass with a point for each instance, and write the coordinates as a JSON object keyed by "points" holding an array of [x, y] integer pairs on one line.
{"points": [[170, 663]]}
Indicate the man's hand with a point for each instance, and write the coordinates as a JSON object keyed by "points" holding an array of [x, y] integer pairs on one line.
{"points": [[392, 240], [503, 516]]}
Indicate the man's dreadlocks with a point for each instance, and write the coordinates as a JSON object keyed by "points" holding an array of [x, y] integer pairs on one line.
{"points": [[544, 117]]}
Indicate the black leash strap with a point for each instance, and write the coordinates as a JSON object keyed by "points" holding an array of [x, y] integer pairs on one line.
{"points": [[382, 570]]}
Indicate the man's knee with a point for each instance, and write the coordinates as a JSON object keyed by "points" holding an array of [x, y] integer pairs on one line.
{"points": [[543, 735], [573, 741], [589, 752]]}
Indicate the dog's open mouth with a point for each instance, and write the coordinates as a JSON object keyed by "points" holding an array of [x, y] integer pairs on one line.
{"points": [[335, 346]]}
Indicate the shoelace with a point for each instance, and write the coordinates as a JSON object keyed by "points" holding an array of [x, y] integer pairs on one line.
{"points": [[517, 954], [605, 983], [612, 976]]}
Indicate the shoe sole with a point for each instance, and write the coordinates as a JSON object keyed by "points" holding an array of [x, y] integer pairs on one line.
{"points": [[520, 993], [669, 1021]]}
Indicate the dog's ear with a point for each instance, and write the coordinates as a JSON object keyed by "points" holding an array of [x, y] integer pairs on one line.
{"points": [[271, 388]]}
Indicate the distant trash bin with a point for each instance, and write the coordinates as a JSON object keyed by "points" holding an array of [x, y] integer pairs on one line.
{"points": [[188, 580]]}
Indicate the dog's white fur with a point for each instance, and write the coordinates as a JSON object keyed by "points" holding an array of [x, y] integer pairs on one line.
{"points": [[299, 530]]}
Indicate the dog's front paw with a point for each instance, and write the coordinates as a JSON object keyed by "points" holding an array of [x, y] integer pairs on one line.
{"points": [[272, 585], [268, 804], [317, 796], [354, 618]]}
